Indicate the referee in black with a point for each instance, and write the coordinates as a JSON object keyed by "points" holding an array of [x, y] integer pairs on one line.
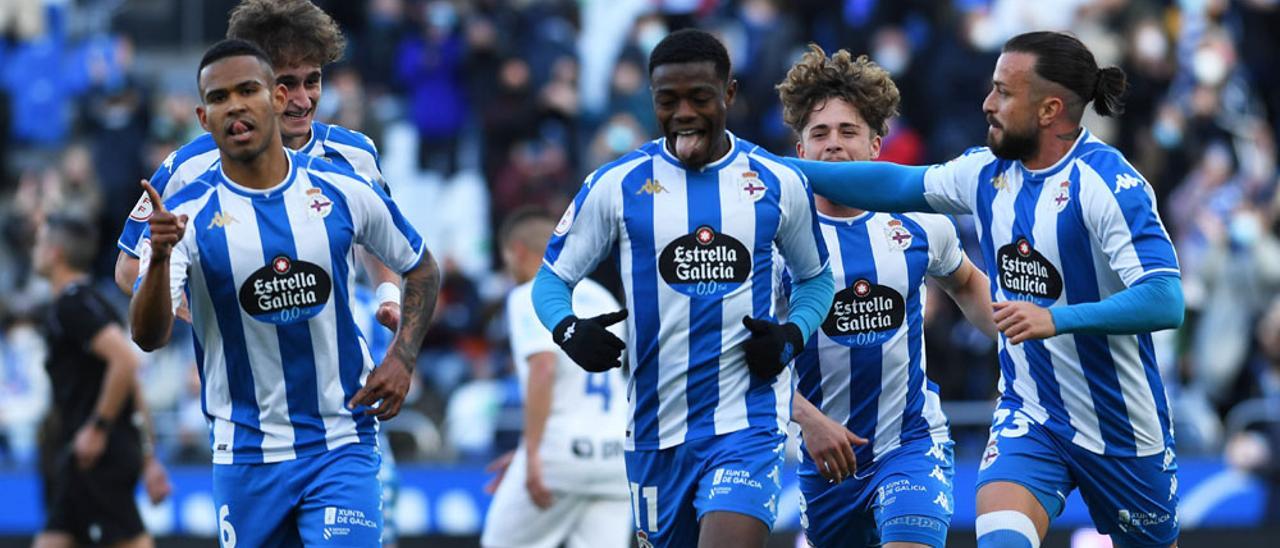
{"points": [[93, 453]]}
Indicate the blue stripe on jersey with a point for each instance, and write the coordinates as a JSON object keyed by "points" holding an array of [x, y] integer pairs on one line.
{"points": [[810, 385], [298, 363], [637, 208], [986, 195], [760, 398], [215, 263], [705, 314], [1081, 286], [1147, 353], [339, 226], [1149, 242], [1024, 220], [338, 159], [204, 403], [917, 266], [867, 382]]}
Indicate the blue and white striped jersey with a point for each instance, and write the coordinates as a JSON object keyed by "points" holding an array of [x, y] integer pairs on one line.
{"points": [[865, 367], [269, 275], [696, 250], [1075, 232], [342, 146]]}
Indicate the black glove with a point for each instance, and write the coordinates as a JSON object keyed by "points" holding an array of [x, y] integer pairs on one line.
{"points": [[587, 341], [771, 346]]}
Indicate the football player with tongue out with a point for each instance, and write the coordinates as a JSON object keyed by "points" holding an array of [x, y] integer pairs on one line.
{"points": [[710, 385]]}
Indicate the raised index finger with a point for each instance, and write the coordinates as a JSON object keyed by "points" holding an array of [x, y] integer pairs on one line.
{"points": [[156, 203]]}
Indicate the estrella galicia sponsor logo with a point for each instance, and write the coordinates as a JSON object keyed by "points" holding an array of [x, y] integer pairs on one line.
{"points": [[1026, 275], [864, 314], [285, 291], [705, 263]]}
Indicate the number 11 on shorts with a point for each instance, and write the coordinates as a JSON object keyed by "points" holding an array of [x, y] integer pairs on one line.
{"points": [[650, 496]]}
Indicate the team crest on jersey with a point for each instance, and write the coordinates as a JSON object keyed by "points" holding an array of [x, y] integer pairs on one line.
{"points": [[898, 236], [1026, 275], [142, 210], [752, 188], [286, 291], [566, 220], [705, 263], [1063, 196], [864, 315], [318, 205]]}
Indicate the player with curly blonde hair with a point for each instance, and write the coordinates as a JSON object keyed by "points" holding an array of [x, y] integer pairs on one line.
{"points": [[863, 397]]}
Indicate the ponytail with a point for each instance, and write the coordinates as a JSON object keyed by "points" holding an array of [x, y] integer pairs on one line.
{"points": [[1109, 86]]}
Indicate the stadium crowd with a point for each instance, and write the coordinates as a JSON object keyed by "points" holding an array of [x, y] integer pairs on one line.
{"points": [[483, 106]]}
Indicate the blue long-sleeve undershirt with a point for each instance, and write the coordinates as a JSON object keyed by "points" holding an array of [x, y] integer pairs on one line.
{"points": [[873, 186], [1152, 304], [810, 300]]}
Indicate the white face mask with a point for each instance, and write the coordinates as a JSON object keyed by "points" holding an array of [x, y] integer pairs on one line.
{"points": [[648, 36], [892, 58], [1209, 67], [1151, 44], [619, 138]]}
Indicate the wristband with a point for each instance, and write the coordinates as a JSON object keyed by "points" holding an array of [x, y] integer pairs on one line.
{"points": [[388, 292]]}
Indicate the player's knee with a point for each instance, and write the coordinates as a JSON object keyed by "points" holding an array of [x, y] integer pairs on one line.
{"points": [[914, 530], [1006, 529]]}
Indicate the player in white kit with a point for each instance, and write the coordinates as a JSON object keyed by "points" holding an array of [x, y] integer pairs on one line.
{"points": [[567, 483]]}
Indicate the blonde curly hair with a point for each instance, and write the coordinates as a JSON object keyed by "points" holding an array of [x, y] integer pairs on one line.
{"points": [[291, 32], [817, 78]]}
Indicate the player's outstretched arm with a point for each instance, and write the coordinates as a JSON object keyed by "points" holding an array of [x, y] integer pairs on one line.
{"points": [[873, 186], [389, 382], [151, 309], [971, 291]]}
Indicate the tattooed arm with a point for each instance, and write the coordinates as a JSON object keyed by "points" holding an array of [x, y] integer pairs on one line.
{"points": [[390, 381]]}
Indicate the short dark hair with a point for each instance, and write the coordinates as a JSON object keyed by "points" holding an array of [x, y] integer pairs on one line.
{"points": [[1062, 59], [292, 32], [691, 46], [512, 228], [77, 237], [230, 47]]}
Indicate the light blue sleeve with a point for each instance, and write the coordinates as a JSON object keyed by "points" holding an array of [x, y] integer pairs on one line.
{"points": [[552, 298], [811, 300], [873, 186], [1152, 304]]}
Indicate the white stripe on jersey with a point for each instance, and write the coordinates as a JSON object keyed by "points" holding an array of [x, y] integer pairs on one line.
{"points": [[891, 270], [733, 382], [673, 328]]}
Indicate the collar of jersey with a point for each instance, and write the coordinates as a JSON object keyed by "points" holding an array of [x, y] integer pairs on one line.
{"points": [[315, 138], [723, 161], [845, 221], [1040, 174], [264, 193]]}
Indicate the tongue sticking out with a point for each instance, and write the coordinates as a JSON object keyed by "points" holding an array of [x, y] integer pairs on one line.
{"points": [[687, 145], [239, 127]]}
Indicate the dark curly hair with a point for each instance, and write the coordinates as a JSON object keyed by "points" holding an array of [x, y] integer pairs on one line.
{"points": [[292, 32], [817, 78]]}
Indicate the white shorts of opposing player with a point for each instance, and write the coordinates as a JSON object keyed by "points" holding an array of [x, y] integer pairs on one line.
{"points": [[574, 520]]}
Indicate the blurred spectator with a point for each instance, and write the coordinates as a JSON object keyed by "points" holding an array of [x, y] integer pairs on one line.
{"points": [[430, 67], [24, 389]]}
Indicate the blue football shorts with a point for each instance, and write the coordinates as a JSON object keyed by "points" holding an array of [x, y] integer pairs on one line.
{"points": [[329, 499], [1133, 499]]}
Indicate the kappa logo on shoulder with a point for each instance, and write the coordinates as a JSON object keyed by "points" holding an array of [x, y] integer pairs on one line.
{"points": [[220, 220], [651, 187], [1125, 181]]}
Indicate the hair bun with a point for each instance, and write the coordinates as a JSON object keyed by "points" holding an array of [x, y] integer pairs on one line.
{"points": [[1108, 87]]}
